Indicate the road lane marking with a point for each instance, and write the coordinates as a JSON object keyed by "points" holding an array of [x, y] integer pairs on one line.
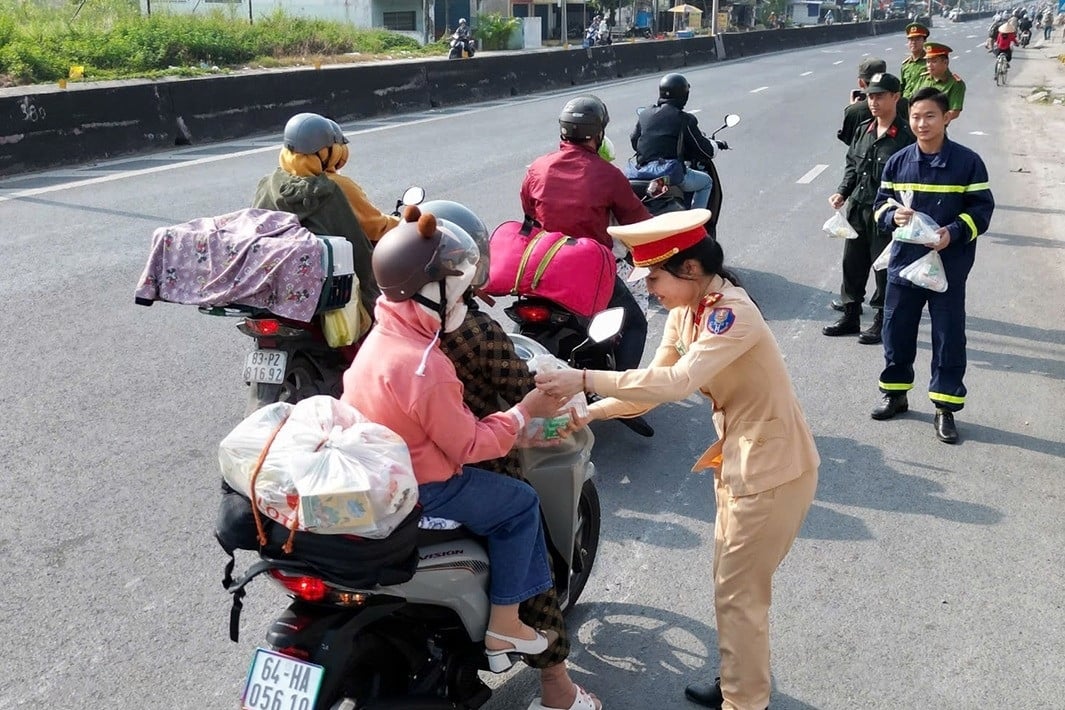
{"points": [[811, 175], [760, 88], [977, 133], [806, 73], [694, 110], [839, 62]]}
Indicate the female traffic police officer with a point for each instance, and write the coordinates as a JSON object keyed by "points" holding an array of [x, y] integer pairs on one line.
{"points": [[717, 342]]}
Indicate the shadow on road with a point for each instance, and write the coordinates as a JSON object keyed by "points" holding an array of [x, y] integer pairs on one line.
{"points": [[1023, 240], [1014, 330], [857, 474], [779, 298], [1029, 209], [155, 219]]}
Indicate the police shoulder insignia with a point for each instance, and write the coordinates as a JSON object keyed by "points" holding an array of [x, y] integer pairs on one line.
{"points": [[720, 320]]}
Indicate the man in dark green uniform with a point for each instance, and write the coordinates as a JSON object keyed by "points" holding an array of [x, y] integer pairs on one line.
{"points": [[940, 77], [913, 66], [875, 141]]}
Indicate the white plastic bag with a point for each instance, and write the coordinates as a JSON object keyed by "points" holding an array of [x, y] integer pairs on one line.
{"points": [[546, 431], [884, 259], [329, 469], [921, 229], [927, 272], [837, 226]]}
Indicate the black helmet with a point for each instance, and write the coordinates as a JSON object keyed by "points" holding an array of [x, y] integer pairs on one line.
{"points": [[417, 252], [583, 118], [465, 219], [308, 133], [674, 88]]}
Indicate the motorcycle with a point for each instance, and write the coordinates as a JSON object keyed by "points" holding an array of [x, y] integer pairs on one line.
{"points": [[292, 359], [644, 32], [1026, 37], [661, 197], [418, 644], [461, 47]]}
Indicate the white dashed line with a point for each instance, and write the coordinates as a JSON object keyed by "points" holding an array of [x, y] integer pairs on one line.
{"points": [[760, 88], [812, 175], [806, 73], [839, 62], [977, 133]]}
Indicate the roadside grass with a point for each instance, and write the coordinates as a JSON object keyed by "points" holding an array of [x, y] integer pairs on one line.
{"points": [[42, 41]]}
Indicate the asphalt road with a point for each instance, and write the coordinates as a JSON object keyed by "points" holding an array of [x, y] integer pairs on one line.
{"points": [[926, 576]]}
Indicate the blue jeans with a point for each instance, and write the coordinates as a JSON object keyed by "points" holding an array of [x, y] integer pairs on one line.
{"points": [[506, 511], [629, 352], [700, 183]]}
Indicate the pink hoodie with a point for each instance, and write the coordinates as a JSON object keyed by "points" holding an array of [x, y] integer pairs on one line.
{"points": [[426, 411]]}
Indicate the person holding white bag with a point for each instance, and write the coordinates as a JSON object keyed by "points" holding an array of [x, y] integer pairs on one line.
{"points": [[950, 186]]}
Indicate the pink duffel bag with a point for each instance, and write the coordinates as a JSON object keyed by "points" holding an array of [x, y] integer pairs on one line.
{"points": [[526, 260]]}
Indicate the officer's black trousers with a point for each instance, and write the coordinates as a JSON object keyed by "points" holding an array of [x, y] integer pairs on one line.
{"points": [[859, 255]]}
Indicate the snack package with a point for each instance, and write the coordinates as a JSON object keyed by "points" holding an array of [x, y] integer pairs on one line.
{"points": [[546, 431], [838, 227], [884, 259], [927, 272], [921, 228]]}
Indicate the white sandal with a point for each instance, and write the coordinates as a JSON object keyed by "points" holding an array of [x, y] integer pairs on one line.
{"points": [[499, 660], [583, 701]]}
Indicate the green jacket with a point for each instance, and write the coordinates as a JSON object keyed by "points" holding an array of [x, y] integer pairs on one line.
{"points": [[909, 73], [866, 158], [952, 86], [322, 208]]}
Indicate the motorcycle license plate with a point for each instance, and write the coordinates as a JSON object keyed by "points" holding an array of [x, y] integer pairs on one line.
{"points": [[277, 682], [265, 366]]}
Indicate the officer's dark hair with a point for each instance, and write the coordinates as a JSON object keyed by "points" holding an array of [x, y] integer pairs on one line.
{"points": [[930, 93], [711, 258]]}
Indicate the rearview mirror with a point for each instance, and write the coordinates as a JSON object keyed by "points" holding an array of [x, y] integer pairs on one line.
{"points": [[413, 196], [732, 119], [606, 324]]}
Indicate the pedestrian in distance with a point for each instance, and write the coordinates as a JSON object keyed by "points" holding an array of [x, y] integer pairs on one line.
{"points": [[913, 66], [716, 342], [874, 143], [939, 77], [949, 184]]}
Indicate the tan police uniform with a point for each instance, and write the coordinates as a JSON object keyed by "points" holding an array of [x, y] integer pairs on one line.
{"points": [[764, 458]]}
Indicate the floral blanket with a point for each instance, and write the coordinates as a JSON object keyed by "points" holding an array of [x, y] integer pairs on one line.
{"points": [[253, 257]]}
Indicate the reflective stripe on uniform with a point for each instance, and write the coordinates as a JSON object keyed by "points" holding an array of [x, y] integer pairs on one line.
{"points": [[895, 386], [964, 217], [977, 186], [945, 398], [925, 187]]}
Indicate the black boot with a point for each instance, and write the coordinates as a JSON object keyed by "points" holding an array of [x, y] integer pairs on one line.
{"points": [[837, 305], [848, 324], [893, 403], [707, 695], [871, 335], [945, 429]]}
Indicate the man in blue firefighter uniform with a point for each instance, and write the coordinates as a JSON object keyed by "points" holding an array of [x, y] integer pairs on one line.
{"points": [[948, 183]]}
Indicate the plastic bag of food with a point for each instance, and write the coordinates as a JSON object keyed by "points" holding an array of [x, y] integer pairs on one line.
{"points": [[927, 272], [327, 469], [541, 431], [921, 229], [884, 259], [837, 226]]}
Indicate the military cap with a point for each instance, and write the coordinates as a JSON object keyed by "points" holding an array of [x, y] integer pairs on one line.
{"points": [[881, 83], [655, 240], [916, 29], [935, 49], [869, 66]]}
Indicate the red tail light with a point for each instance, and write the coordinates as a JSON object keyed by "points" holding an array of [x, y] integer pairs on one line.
{"points": [[533, 314], [259, 327], [293, 652], [309, 589]]}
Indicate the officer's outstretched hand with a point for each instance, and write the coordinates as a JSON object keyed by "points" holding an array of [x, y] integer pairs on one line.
{"points": [[560, 383], [836, 200]]}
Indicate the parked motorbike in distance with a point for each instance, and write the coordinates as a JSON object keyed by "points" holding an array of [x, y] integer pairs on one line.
{"points": [[660, 197], [461, 48], [584, 344], [292, 359], [419, 644], [644, 32]]}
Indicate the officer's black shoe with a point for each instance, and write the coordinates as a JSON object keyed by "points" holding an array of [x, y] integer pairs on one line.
{"points": [[837, 305], [848, 324], [871, 335], [891, 405], [945, 429], [707, 695]]}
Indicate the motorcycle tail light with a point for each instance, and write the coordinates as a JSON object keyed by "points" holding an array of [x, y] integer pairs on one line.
{"points": [[533, 314], [308, 589], [259, 327], [294, 652]]}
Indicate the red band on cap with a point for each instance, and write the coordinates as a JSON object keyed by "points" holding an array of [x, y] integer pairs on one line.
{"points": [[658, 251]]}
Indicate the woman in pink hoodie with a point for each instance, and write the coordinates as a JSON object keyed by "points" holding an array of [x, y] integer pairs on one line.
{"points": [[402, 380]]}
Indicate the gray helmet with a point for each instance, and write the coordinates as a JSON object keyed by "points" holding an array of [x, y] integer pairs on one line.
{"points": [[583, 118], [338, 132], [309, 133], [674, 88], [417, 252], [455, 214]]}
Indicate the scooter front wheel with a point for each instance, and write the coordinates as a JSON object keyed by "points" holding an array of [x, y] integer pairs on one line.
{"points": [[585, 543]]}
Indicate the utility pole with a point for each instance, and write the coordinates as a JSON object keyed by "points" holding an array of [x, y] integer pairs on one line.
{"points": [[565, 30]]}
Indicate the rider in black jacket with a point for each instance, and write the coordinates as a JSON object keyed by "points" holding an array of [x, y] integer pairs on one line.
{"points": [[666, 131]]}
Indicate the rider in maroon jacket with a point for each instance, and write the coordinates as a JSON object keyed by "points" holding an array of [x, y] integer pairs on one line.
{"points": [[575, 191]]}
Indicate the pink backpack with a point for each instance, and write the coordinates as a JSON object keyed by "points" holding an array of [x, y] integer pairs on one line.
{"points": [[526, 260]]}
